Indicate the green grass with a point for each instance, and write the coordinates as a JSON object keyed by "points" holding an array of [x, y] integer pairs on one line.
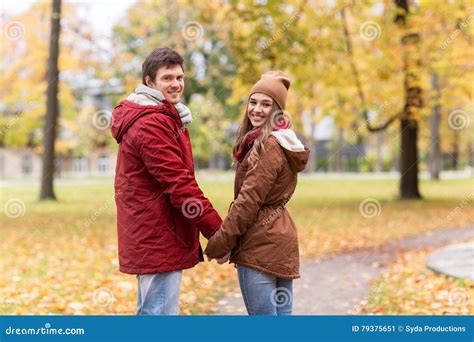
{"points": [[73, 242], [318, 206]]}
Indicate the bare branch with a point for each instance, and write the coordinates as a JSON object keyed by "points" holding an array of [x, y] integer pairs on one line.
{"points": [[358, 83]]}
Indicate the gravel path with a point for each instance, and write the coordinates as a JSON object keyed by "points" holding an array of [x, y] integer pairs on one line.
{"points": [[337, 284]]}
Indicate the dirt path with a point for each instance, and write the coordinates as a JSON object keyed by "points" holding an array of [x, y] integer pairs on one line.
{"points": [[337, 284]]}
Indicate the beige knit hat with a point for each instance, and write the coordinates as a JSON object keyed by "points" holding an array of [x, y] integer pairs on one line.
{"points": [[274, 84]]}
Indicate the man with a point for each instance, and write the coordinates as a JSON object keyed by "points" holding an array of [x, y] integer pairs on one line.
{"points": [[160, 207]]}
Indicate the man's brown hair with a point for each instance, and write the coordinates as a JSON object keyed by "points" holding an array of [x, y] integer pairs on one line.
{"points": [[160, 57]]}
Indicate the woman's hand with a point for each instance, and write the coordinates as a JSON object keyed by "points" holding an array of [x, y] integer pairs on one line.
{"points": [[224, 259]]}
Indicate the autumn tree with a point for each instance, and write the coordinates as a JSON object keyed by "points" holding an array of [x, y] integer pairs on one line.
{"points": [[23, 84], [52, 107], [193, 29]]}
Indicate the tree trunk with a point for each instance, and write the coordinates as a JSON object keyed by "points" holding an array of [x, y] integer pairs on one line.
{"points": [[455, 153], [52, 106], [413, 102], [435, 119], [216, 162], [340, 151], [470, 154], [210, 162], [378, 152], [395, 162], [313, 158], [409, 160]]}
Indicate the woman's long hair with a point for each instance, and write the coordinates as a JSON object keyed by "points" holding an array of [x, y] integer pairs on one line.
{"points": [[246, 127]]}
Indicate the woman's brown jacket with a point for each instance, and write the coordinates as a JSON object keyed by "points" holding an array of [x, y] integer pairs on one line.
{"points": [[258, 229]]}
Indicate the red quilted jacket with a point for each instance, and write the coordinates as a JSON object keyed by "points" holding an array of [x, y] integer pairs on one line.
{"points": [[160, 207]]}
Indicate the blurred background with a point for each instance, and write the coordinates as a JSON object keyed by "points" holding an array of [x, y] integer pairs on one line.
{"points": [[226, 46], [382, 93]]}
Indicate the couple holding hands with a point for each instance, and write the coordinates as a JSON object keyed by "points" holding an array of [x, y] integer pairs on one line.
{"points": [[161, 210]]}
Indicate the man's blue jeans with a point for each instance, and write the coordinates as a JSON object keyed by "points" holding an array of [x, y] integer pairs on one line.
{"points": [[158, 294], [265, 294]]}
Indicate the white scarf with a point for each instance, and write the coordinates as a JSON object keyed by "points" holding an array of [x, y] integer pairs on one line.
{"points": [[147, 96]]}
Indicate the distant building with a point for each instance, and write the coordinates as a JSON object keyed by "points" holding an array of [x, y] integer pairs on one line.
{"points": [[24, 162], [329, 150]]}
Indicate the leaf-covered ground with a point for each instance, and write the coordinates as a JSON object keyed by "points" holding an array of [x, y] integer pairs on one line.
{"points": [[61, 258], [410, 288]]}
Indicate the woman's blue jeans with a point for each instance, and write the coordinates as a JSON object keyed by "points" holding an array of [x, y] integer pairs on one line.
{"points": [[265, 294]]}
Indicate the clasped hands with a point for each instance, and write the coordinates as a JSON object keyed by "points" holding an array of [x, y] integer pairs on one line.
{"points": [[222, 260]]}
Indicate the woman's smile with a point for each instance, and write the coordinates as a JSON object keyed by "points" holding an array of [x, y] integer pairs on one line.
{"points": [[259, 108]]}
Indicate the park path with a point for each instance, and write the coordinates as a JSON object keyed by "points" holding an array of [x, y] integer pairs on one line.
{"points": [[337, 284]]}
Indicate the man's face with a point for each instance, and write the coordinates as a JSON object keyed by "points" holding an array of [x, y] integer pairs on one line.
{"points": [[170, 81]]}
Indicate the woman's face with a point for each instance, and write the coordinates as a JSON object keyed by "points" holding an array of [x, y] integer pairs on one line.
{"points": [[259, 109]]}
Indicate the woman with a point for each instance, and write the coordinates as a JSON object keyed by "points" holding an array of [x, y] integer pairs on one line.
{"points": [[258, 234]]}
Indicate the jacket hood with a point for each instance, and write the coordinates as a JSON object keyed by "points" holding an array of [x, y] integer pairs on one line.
{"points": [[124, 116], [127, 112], [144, 101], [296, 153]]}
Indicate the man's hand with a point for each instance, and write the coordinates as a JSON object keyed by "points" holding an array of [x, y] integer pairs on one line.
{"points": [[224, 259]]}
